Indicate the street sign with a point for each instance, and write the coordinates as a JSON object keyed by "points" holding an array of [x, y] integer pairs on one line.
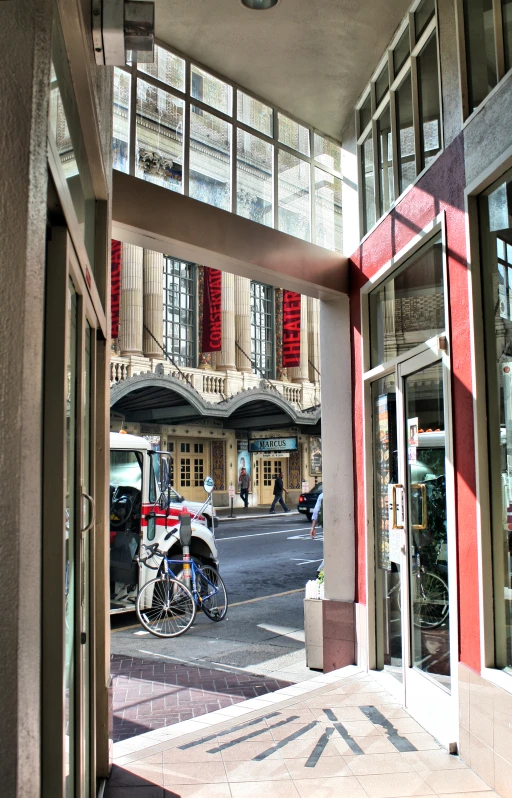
{"points": [[231, 491]]}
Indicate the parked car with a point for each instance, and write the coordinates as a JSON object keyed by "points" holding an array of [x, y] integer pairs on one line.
{"points": [[307, 501]]}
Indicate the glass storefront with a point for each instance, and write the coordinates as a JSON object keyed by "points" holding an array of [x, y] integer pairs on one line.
{"points": [[496, 232]]}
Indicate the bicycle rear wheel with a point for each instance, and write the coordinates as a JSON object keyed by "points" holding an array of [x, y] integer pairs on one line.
{"points": [[212, 593], [165, 607], [430, 605]]}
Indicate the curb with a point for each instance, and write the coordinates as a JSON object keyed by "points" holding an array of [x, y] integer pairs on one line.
{"points": [[220, 518]]}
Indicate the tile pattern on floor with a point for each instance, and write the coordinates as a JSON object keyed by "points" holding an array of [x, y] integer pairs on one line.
{"points": [[151, 694], [349, 738]]}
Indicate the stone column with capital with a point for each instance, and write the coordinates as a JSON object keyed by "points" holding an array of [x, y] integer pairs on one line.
{"points": [[314, 339], [301, 373], [131, 311], [153, 269], [243, 323], [225, 360]]}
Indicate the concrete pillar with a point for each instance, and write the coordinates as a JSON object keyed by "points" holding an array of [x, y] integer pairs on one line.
{"points": [[313, 339], [301, 373], [225, 359], [243, 323], [153, 270], [338, 486], [131, 313]]}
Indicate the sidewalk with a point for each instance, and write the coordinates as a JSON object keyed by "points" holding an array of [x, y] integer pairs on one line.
{"points": [[339, 735], [260, 511]]}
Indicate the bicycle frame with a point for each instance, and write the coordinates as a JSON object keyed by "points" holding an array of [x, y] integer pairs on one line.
{"points": [[193, 587]]}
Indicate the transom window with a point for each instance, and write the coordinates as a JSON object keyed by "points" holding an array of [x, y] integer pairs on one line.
{"points": [[408, 308], [395, 142], [179, 329], [204, 138], [262, 329], [488, 45]]}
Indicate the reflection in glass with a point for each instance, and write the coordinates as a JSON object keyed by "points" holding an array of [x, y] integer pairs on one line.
{"points": [[401, 51], [406, 160], [386, 178], [70, 554], [430, 113], [497, 286], [159, 137], [66, 134], [254, 113], [210, 90], [369, 183], [381, 85], [428, 536], [328, 220], [387, 553], [254, 187], [408, 308], [506, 11], [480, 49], [121, 132], [210, 158], [167, 67], [293, 135], [294, 196], [327, 153], [423, 15], [365, 113]]}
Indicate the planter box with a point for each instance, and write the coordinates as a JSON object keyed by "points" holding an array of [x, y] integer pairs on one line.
{"points": [[313, 629]]}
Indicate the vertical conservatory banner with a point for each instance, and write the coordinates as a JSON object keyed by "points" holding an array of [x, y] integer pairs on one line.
{"points": [[212, 310], [291, 329], [115, 286]]}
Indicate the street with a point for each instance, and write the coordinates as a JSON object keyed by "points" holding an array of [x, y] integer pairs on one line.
{"points": [[265, 564]]}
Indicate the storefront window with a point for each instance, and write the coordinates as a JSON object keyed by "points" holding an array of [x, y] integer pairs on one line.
{"points": [[496, 226], [180, 311], [262, 329], [408, 308]]}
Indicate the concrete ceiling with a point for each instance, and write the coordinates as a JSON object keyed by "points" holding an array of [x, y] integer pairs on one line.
{"points": [[312, 58]]}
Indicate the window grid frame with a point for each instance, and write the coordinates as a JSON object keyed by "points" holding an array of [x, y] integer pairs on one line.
{"points": [[259, 340], [236, 124], [168, 338], [409, 67]]}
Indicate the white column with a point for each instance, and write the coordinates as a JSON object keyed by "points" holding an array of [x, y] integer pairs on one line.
{"points": [[337, 456], [153, 302], [313, 340], [243, 323], [301, 373], [226, 357], [131, 314]]}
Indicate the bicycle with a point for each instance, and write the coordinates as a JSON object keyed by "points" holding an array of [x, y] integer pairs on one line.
{"points": [[167, 607], [430, 604]]}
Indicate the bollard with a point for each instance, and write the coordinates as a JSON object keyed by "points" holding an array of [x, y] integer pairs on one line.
{"points": [[231, 511], [185, 538]]}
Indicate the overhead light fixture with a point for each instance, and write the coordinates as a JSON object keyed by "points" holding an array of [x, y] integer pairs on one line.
{"points": [[259, 5], [123, 31]]}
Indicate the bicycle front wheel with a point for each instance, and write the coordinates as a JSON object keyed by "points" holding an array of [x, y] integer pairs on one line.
{"points": [[430, 604], [165, 607], [212, 593]]}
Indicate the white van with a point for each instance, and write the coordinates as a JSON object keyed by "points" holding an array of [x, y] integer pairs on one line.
{"points": [[143, 510]]}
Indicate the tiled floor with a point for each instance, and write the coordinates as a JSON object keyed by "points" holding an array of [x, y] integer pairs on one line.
{"points": [[151, 694], [338, 736]]}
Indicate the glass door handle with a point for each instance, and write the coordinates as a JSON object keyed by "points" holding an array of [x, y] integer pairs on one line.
{"points": [[394, 524], [86, 528], [423, 489]]}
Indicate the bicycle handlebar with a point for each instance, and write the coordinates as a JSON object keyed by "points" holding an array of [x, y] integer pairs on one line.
{"points": [[152, 551]]}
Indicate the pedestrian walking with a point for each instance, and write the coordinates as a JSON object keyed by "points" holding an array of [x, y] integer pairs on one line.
{"points": [[318, 514], [244, 484], [279, 489]]}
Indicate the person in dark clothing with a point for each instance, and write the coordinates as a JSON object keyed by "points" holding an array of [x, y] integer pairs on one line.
{"points": [[278, 494], [244, 482]]}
